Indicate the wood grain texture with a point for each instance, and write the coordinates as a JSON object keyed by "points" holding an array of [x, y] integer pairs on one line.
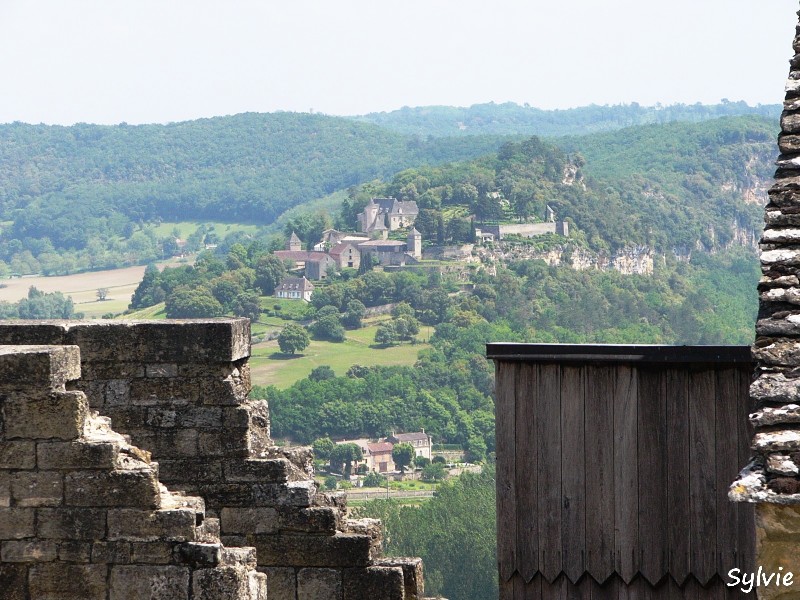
{"points": [[548, 431], [702, 477], [573, 473], [527, 472], [505, 451], [599, 423], [677, 416], [653, 510], [726, 453], [626, 477]]}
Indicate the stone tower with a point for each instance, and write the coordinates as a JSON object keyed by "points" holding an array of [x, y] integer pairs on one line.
{"points": [[415, 243], [294, 243], [772, 478]]}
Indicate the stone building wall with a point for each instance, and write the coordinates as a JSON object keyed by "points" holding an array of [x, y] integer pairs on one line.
{"points": [[82, 513], [772, 479], [179, 389]]}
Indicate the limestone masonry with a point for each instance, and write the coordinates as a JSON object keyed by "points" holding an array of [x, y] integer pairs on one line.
{"points": [[84, 511], [772, 479]]}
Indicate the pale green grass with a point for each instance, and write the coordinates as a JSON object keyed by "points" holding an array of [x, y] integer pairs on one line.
{"points": [[269, 367], [185, 228], [151, 312]]}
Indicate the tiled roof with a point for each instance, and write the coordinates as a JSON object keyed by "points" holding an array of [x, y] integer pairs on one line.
{"points": [[380, 447], [411, 437], [301, 255], [295, 284]]}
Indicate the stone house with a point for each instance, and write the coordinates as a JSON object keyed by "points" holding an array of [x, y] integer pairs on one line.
{"points": [[316, 264], [421, 441], [379, 457], [386, 252], [295, 288], [382, 214], [346, 255]]}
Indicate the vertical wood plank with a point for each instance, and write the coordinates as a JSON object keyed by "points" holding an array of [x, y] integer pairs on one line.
{"points": [[531, 590], [573, 473], [746, 528], [677, 416], [652, 432], [702, 478], [727, 466], [626, 480], [505, 437], [527, 472], [599, 452], [548, 424]]}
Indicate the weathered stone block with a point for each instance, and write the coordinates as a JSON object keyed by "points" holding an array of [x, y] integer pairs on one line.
{"points": [[375, 583], [38, 367], [180, 443], [37, 488], [134, 582], [777, 531], [5, 489], [59, 415], [71, 523], [116, 392], [14, 581], [118, 553], [200, 555], [159, 525], [258, 494], [267, 470], [413, 581], [192, 470], [76, 455], [37, 551], [319, 584], [248, 520], [158, 370], [220, 583], [175, 392], [156, 553], [281, 583], [340, 550], [16, 523], [315, 519], [17, 455], [135, 488], [226, 392], [243, 556], [204, 417], [210, 444], [74, 552], [776, 351]]}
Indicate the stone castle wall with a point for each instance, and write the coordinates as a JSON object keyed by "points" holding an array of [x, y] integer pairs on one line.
{"points": [[772, 479], [82, 513], [179, 389]]}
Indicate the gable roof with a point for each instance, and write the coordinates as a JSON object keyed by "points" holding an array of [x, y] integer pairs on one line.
{"points": [[303, 255], [295, 284], [341, 247], [383, 244], [380, 447], [416, 436]]}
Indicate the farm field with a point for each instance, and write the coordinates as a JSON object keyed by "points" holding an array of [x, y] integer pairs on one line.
{"points": [[269, 367], [83, 287], [185, 228]]}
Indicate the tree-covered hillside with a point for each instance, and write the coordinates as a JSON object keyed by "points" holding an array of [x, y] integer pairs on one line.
{"points": [[511, 118], [668, 187], [64, 188]]}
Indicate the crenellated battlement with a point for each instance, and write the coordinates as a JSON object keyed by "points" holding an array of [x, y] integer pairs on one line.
{"points": [[179, 391]]}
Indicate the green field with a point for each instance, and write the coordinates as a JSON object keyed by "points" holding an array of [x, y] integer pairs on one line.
{"points": [[269, 367], [185, 228]]}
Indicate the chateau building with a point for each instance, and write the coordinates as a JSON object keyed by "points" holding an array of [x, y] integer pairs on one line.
{"points": [[387, 214]]}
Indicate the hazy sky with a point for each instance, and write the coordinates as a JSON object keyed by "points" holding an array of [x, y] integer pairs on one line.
{"points": [[141, 61]]}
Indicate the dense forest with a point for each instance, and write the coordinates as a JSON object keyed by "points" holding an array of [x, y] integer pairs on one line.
{"points": [[511, 118], [672, 187], [87, 191]]}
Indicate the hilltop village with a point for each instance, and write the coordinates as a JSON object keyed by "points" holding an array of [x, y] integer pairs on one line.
{"points": [[386, 238]]}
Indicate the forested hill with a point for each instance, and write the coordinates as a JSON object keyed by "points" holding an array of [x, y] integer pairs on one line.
{"points": [[672, 188], [511, 118], [248, 167]]}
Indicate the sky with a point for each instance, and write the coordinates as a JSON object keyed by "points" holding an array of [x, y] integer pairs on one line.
{"points": [[156, 61]]}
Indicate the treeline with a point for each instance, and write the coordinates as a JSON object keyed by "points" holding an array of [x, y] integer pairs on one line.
{"points": [[449, 389], [40, 305], [511, 118], [670, 187], [453, 529], [92, 189]]}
